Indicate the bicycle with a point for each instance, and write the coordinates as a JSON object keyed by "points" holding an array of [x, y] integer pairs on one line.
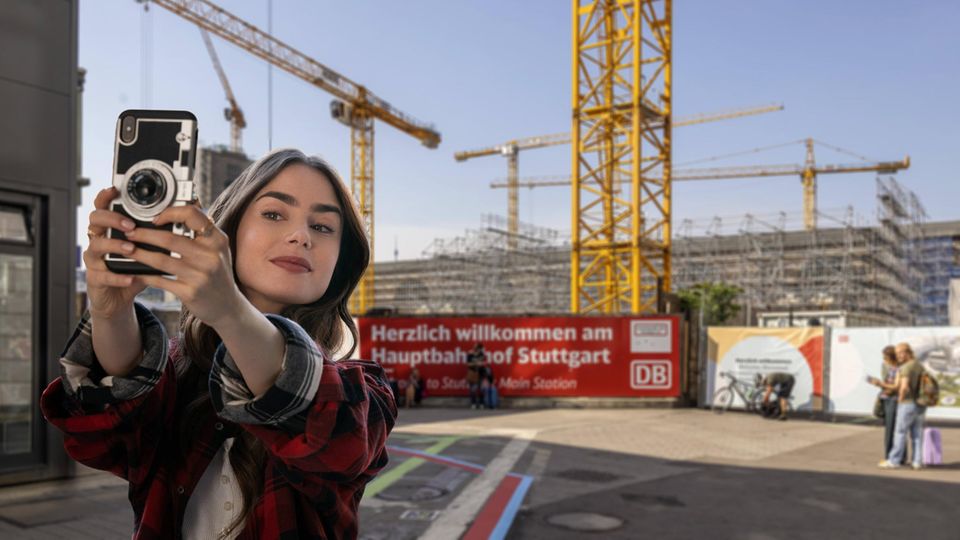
{"points": [[751, 395]]}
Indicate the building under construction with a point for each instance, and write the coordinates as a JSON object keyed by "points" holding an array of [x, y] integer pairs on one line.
{"points": [[884, 272]]}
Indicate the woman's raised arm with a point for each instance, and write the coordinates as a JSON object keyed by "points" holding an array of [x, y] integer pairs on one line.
{"points": [[116, 336]]}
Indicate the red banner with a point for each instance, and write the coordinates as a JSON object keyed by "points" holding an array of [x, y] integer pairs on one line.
{"points": [[532, 356]]}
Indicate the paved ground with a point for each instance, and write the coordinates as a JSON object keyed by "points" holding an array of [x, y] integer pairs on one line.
{"points": [[625, 473]]}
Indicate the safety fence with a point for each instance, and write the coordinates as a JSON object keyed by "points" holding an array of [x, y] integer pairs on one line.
{"points": [[830, 365]]}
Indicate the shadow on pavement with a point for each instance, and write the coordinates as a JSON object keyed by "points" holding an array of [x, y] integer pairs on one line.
{"points": [[581, 492]]}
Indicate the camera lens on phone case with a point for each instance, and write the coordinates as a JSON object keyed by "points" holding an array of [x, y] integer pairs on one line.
{"points": [[146, 187]]}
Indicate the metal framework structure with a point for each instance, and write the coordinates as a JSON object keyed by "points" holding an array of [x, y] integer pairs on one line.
{"points": [[871, 273], [479, 273], [870, 270], [353, 105], [621, 149], [940, 253], [511, 151], [807, 172]]}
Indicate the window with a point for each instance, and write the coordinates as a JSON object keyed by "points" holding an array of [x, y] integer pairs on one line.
{"points": [[19, 359], [14, 225]]}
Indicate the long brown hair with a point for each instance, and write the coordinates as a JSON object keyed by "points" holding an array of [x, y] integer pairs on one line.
{"points": [[890, 355], [323, 319]]}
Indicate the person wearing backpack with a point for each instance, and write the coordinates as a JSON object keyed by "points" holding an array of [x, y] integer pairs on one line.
{"points": [[911, 408]]}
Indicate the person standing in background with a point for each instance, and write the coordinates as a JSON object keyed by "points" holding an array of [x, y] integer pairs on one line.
{"points": [[476, 361], [414, 390], [888, 397], [910, 416]]}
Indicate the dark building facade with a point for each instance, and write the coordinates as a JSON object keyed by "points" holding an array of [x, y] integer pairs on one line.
{"points": [[217, 168], [39, 191]]}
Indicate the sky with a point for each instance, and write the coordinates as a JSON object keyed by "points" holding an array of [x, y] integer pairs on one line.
{"points": [[877, 77]]}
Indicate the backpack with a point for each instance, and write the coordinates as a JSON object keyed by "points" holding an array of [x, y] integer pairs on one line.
{"points": [[928, 390]]}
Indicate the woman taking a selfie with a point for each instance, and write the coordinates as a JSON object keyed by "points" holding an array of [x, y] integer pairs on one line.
{"points": [[242, 425]]}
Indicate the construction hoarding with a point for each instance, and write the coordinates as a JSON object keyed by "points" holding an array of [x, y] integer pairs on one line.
{"points": [[532, 356], [855, 353], [746, 352]]}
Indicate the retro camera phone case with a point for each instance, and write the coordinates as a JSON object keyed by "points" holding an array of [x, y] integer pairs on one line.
{"points": [[153, 163]]}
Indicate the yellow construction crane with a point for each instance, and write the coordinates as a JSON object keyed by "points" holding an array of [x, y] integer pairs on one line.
{"points": [[807, 172], [354, 105], [511, 150], [621, 134], [233, 113]]}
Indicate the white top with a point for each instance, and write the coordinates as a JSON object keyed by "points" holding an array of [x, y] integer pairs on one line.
{"points": [[215, 502]]}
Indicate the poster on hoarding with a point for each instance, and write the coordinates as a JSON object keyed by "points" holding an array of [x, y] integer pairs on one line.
{"points": [[744, 353], [855, 353], [532, 356]]}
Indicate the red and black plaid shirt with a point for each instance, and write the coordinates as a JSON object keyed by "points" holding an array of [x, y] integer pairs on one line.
{"points": [[320, 454]]}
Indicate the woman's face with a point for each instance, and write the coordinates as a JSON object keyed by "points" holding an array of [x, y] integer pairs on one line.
{"points": [[288, 240]]}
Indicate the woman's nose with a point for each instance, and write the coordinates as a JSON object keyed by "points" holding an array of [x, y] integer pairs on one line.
{"points": [[300, 235]]}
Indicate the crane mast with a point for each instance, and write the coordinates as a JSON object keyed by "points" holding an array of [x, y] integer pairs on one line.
{"points": [[621, 134]]}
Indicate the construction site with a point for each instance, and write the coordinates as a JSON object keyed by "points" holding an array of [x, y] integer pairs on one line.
{"points": [[832, 267], [604, 299], [623, 252], [892, 274]]}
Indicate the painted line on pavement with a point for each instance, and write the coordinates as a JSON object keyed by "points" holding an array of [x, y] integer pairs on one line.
{"points": [[489, 516], [499, 511], [513, 506], [444, 460], [460, 513], [387, 478]]}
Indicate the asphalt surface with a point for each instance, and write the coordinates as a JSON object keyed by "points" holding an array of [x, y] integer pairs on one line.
{"points": [[604, 473]]}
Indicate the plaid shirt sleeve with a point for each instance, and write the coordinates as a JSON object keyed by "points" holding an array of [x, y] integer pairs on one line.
{"points": [[322, 420], [113, 423]]}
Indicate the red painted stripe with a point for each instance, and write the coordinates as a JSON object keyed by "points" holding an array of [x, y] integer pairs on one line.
{"points": [[490, 514]]}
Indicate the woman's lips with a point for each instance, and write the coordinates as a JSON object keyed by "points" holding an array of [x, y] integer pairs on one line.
{"points": [[290, 267]]}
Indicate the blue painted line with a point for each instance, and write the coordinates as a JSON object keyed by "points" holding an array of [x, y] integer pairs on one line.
{"points": [[510, 511]]}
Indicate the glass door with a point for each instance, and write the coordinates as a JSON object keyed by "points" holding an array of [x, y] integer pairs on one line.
{"points": [[20, 300]]}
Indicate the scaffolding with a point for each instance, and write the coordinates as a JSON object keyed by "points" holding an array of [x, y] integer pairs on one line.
{"points": [[485, 271], [940, 263], [871, 270]]}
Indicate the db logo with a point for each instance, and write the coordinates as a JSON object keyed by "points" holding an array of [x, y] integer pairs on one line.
{"points": [[650, 374]]}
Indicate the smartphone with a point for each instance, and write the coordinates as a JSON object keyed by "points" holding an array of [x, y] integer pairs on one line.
{"points": [[154, 156]]}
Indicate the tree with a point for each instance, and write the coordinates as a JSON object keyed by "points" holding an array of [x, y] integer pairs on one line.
{"points": [[715, 299]]}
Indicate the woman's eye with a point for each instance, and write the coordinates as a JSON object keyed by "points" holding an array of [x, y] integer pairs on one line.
{"points": [[272, 216], [322, 228]]}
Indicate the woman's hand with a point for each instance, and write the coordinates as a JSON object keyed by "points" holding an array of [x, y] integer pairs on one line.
{"points": [[204, 272], [109, 293]]}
